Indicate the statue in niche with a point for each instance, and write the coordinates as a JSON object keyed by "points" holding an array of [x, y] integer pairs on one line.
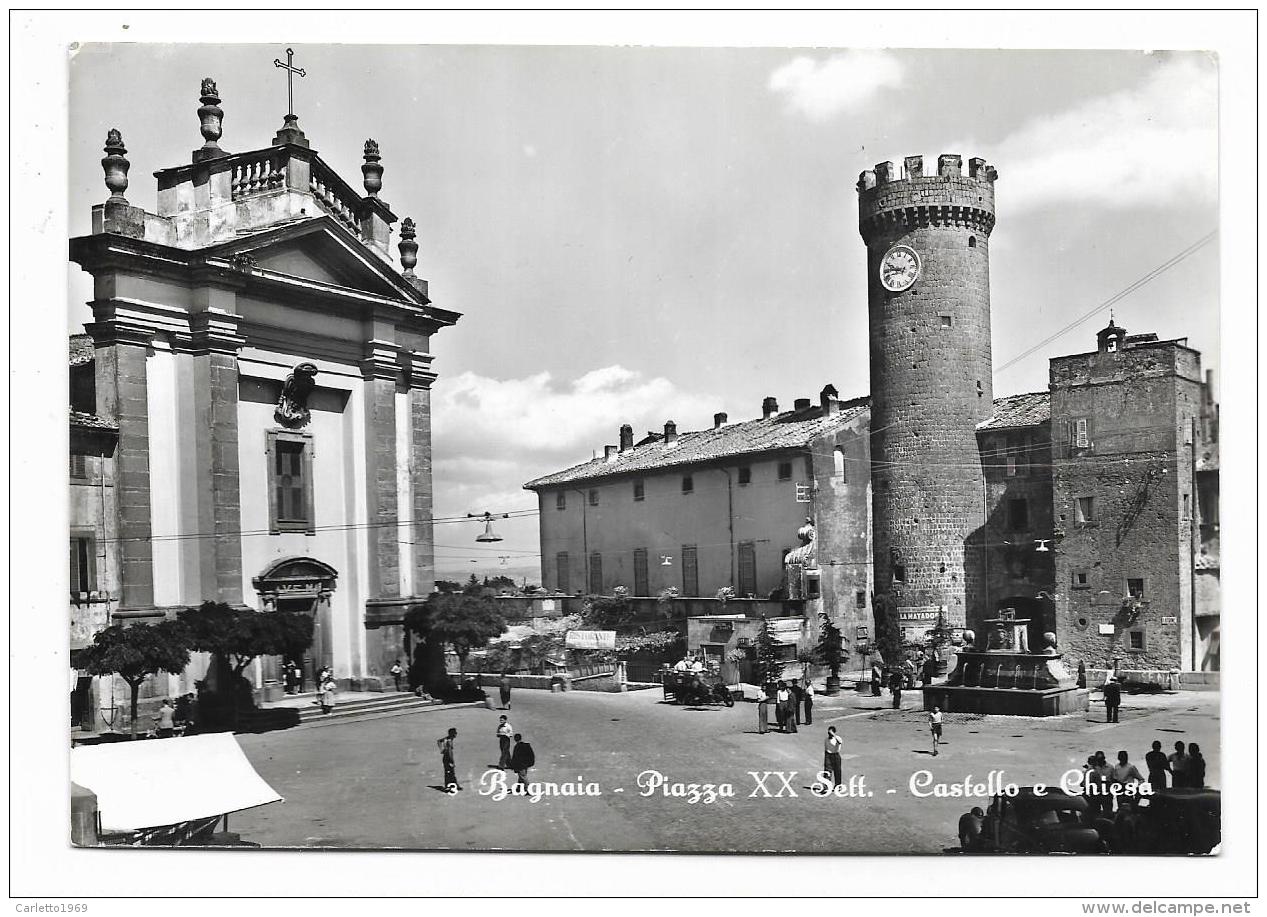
{"points": [[292, 408]]}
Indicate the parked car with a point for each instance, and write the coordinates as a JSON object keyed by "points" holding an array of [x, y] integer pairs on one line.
{"points": [[1174, 821], [1055, 822]]}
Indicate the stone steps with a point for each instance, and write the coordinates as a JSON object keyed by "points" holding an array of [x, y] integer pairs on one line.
{"points": [[267, 719]]}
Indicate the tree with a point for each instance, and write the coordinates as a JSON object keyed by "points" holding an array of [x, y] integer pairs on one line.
{"points": [[238, 634], [499, 582], [134, 653], [473, 586], [448, 585], [466, 622], [830, 651], [769, 665], [888, 638]]}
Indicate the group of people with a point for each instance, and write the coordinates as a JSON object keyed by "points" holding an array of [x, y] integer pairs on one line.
{"points": [[1105, 784], [519, 758], [789, 699], [904, 674], [292, 677]]}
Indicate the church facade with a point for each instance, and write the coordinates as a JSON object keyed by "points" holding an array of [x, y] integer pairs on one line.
{"points": [[1089, 510], [251, 404]]}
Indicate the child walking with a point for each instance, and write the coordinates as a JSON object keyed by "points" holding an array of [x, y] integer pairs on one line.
{"points": [[934, 726]]}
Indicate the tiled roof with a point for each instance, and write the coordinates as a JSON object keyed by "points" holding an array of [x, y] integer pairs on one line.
{"points": [[1028, 410], [91, 421], [789, 430], [81, 349]]}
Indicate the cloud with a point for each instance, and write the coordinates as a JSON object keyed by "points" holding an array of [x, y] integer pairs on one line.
{"points": [[820, 89], [491, 435], [1152, 145]]}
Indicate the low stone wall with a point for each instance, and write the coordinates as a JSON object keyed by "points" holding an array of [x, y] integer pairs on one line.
{"points": [[1182, 681], [596, 683]]}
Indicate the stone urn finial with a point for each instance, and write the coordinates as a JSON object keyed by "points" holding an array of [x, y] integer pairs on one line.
{"points": [[116, 166], [211, 116], [372, 170], [408, 247]]}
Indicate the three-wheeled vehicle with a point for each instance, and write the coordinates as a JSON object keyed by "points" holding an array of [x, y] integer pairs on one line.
{"points": [[696, 688]]}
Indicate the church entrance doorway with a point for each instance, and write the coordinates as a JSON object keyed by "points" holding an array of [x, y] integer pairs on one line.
{"points": [[303, 585]]}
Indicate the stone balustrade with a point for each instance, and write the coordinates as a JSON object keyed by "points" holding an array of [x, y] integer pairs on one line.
{"points": [[334, 194], [264, 172]]}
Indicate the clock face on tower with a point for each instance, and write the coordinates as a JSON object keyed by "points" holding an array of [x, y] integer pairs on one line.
{"points": [[899, 268]]}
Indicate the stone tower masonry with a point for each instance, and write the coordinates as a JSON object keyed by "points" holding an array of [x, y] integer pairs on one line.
{"points": [[928, 295]]}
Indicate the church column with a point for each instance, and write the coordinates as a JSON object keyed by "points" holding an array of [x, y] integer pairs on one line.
{"points": [[215, 344], [121, 351]]}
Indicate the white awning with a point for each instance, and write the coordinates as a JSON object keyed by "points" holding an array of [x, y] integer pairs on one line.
{"points": [[150, 783]]}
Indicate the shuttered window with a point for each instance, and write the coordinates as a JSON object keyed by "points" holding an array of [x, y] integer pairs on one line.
{"points": [[562, 580], [83, 564], [596, 574], [690, 571], [641, 586], [747, 568], [289, 457]]}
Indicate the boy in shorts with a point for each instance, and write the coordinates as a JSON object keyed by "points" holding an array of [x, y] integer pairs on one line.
{"points": [[934, 726]]}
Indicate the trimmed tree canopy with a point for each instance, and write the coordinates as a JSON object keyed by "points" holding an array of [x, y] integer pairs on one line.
{"points": [[240, 634], [137, 651], [466, 622]]}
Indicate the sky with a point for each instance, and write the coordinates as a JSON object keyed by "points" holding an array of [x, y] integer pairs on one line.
{"points": [[641, 234]]}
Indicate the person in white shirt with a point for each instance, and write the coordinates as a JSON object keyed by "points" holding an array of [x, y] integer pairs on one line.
{"points": [[934, 726], [831, 755], [504, 733]]}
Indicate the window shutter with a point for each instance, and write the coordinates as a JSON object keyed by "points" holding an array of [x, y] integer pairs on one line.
{"points": [[270, 462], [1080, 439], [306, 485]]}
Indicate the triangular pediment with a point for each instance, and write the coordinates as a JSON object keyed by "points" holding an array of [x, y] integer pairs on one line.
{"points": [[322, 251]]}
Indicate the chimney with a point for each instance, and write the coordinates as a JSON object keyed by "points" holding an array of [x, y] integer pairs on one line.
{"points": [[626, 437], [827, 399], [609, 453], [670, 432], [800, 404], [769, 407], [719, 419]]}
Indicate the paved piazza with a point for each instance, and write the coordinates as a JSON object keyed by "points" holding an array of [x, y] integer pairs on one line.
{"points": [[375, 784]]}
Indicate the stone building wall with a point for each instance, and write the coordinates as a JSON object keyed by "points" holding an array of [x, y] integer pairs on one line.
{"points": [[1137, 406]]}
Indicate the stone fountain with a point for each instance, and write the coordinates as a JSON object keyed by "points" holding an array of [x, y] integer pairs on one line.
{"points": [[1004, 676]]}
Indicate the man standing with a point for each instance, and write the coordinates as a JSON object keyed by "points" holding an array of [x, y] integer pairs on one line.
{"points": [[807, 698], [396, 672], [504, 732], [1124, 774], [521, 759], [781, 696], [1157, 767], [1180, 764], [798, 695], [877, 680], [934, 726], [831, 755], [1112, 699], [763, 713], [447, 759], [503, 688], [166, 720], [895, 685]]}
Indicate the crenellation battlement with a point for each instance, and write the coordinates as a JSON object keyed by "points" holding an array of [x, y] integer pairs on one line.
{"points": [[916, 198]]}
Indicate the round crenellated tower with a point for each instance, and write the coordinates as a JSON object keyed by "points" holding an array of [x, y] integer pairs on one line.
{"points": [[928, 296]]}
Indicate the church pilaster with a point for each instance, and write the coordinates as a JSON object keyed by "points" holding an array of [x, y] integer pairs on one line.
{"points": [[122, 394], [381, 372], [214, 344]]}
